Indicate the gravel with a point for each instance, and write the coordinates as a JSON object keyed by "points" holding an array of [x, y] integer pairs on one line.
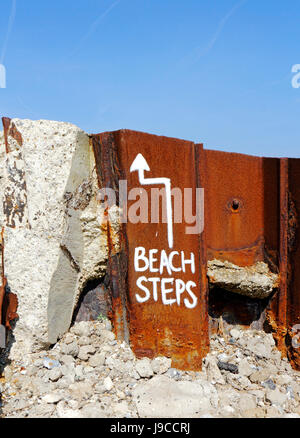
{"points": [[89, 374]]}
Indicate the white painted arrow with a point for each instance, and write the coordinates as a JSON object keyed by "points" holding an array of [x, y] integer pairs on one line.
{"points": [[141, 165]]}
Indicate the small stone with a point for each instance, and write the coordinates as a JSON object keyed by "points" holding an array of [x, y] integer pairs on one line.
{"points": [[65, 382], [143, 367], [88, 370], [52, 398], [55, 374], [245, 368], [213, 373], [69, 338], [223, 357], [244, 382], [81, 390], [74, 404], [247, 402], [276, 397], [107, 336], [284, 379], [68, 370], [97, 360], [85, 351], [259, 348], [160, 365], [70, 349], [79, 372], [38, 363], [108, 384], [259, 376], [268, 339], [228, 367], [67, 360], [84, 340], [173, 373], [235, 333], [269, 384], [50, 363], [134, 374], [108, 325], [290, 392], [81, 328]]}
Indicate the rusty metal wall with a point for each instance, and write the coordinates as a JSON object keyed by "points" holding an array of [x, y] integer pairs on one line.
{"points": [[252, 209], [241, 207], [251, 206]]}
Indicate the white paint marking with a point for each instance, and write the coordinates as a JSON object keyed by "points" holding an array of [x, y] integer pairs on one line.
{"points": [[141, 165]]}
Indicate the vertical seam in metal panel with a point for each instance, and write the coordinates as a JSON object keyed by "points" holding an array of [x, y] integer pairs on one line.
{"points": [[201, 183], [283, 255]]}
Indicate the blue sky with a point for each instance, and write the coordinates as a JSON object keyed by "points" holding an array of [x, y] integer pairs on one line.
{"points": [[217, 71]]}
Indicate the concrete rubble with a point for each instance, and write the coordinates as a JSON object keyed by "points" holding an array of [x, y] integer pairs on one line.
{"points": [[256, 281], [55, 240], [88, 374]]}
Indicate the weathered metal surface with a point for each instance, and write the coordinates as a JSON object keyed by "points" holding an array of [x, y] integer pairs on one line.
{"points": [[109, 174], [94, 302], [251, 214], [251, 207], [178, 328], [293, 301], [241, 203]]}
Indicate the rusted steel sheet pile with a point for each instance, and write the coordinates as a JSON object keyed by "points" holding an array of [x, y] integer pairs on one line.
{"points": [[178, 330], [251, 206]]}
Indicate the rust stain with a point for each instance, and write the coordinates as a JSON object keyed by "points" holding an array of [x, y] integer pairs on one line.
{"points": [[10, 130], [6, 123], [109, 173]]}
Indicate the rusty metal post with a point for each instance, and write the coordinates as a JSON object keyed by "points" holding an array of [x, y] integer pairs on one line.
{"points": [[165, 303]]}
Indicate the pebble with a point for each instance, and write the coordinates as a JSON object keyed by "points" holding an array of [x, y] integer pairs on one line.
{"points": [[143, 367], [108, 384], [174, 373], [50, 363], [55, 374], [51, 398]]}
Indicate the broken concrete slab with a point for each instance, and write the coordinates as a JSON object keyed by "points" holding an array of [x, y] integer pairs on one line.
{"points": [[161, 396], [55, 241], [255, 281]]}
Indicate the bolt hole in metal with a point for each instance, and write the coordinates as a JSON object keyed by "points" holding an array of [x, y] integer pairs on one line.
{"points": [[234, 205]]}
